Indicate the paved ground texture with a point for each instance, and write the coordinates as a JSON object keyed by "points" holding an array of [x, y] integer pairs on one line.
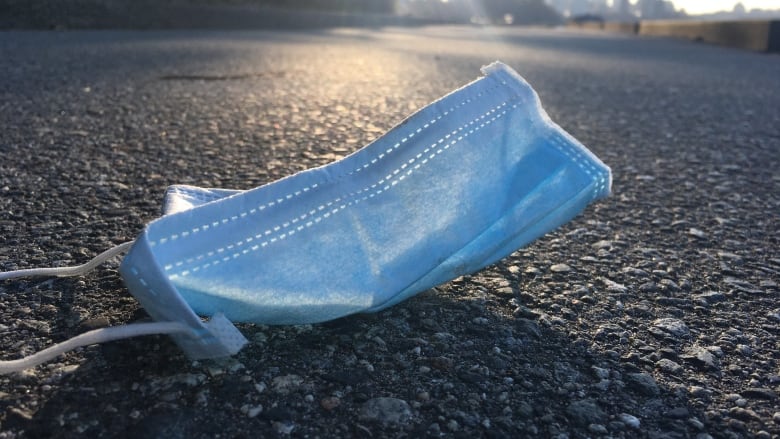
{"points": [[653, 314]]}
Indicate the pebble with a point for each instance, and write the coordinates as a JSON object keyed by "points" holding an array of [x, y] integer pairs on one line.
{"points": [[585, 412], [668, 366], [286, 383], [699, 392], [613, 286], [648, 287], [386, 410], [710, 297], [283, 427], [759, 393], [560, 268], [505, 291], [643, 383], [597, 428], [252, 411], [670, 326], [524, 313], [701, 358], [746, 415], [629, 420], [330, 402], [695, 423], [600, 372], [697, 233]]}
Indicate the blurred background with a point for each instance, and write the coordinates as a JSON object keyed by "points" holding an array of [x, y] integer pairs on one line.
{"points": [[62, 14]]}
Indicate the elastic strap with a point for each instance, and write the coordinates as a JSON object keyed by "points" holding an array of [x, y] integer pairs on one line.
{"points": [[78, 270], [101, 335]]}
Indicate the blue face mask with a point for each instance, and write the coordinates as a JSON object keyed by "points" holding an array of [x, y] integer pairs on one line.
{"points": [[457, 186]]}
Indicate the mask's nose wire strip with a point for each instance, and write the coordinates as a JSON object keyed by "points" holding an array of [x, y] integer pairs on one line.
{"points": [[68, 271], [101, 335]]}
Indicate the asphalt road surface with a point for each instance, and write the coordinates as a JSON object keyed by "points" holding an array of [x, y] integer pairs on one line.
{"points": [[655, 313]]}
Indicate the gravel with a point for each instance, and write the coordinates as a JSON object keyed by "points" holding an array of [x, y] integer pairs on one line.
{"points": [[653, 314]]}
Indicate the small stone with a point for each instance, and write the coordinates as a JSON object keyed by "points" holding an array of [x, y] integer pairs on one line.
{"points": [[585, 412], [697, 233], [560, 268], [759, 393], [699, 392], [776, 417], [597, 428], [286, 383], [329, 403], [710, 297], [600, 372], [505, 291], [695, 423], [528, 327], [613, 286], [283, 427], [524, 313], [253, 411], [744, 414], [643, 383], [629, 420], [668, 366], [452, 425], [386, 410], [648, 287], [701, 358], [669, 326]]}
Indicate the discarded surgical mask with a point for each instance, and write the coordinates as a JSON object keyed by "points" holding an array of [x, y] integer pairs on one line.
{"points": [[459, 185]]}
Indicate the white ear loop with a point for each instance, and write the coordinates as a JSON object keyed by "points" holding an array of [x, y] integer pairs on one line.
{"points": [[101, 335], [78, 270]]}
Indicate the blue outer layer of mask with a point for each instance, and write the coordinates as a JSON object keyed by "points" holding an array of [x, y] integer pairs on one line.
{"points": [[457, 186]]}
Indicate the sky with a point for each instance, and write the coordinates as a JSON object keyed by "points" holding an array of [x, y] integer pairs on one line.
{"points": [[706, 6]]}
